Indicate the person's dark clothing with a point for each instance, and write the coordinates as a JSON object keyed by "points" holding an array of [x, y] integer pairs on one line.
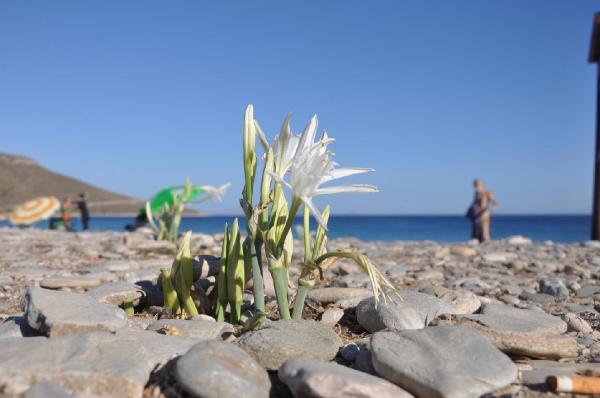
{"points": [[85, 214], [139, 221], [474, 215]]}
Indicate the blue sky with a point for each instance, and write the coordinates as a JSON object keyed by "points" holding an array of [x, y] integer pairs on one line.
{"points": [[133, 96]]}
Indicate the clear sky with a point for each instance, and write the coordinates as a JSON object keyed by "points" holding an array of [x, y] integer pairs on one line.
{"points": [[135, 95]]}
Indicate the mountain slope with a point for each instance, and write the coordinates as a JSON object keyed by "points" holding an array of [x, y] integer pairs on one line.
{"points": [[22, 179]]}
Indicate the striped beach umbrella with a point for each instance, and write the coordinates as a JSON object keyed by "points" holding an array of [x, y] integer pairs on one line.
{"points": [[34, 210]]}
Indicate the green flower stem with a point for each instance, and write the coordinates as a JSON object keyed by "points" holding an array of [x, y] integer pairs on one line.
{"points": [[320, 235], [222, 279], [174, 229], [185, 298], [265, 190], [235, 273], [306, 235], [296, 202], [249, 141], [279, 273], [277, 194], [169, 294], [303, 289], [190, 306], [128, 307], [185, 261], [236, 311], [258, 287]]}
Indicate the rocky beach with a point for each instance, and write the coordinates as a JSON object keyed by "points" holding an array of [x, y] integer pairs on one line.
{"points": [[470, 319]]}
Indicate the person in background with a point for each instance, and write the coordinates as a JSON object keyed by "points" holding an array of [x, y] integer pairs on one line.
{"points": [[474, 214], [488, 204], [83, 211], [65, 211], [140, 221]]}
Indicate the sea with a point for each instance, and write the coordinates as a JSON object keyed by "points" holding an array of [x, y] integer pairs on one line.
{"points": [[557, 228]]}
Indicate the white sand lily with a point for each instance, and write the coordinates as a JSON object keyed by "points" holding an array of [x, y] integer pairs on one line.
{"points": [[312, 166], [213, 192], [284, 146]]}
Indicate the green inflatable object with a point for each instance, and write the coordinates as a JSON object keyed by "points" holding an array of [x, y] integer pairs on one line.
{"points": [[166, 196]]}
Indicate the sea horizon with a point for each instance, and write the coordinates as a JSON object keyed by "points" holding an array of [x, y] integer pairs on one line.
{"points": [[205, 215], [447, 228]]}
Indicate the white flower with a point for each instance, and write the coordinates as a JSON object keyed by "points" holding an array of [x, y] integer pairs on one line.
{"points": [[214, 192], [284, 146], [312, 165]]}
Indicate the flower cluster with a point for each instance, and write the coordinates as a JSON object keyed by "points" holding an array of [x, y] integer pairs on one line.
{"points": [[303, 164]]}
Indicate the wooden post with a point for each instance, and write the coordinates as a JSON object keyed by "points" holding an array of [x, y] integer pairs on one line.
{"points": [[594, 58]]}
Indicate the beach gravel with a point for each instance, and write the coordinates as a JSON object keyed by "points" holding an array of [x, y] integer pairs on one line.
{"points": [[539, 302], [198, 328]]}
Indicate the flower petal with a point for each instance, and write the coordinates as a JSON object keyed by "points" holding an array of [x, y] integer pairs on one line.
{"points": [[261, 137], [314, 211], [280, 180], [345, 172], [346, 189], [308, 135], [214, 192]]}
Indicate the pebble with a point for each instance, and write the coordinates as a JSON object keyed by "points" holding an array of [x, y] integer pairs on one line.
{"points": [[541, 298], [364, 363], [328, 295], [46, 389], [461, 301], [56, 313], [523, 332], [463, 251], [553, 287], [121, 266], [350, 352], [316, 379], [286, 339], [197, 328], [331, 316], [71, 282], [499, 257], [349, 303], [16, 327], [117, 292], [519, 240], [413, 310], [507, 299], [432, 363], [577, 324], [216, 369], [86, 364], [204, 266]]}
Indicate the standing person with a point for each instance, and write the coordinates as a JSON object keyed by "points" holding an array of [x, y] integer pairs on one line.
{"points": [[474, 214], [65, 211], [487, 199], [83, 211]]}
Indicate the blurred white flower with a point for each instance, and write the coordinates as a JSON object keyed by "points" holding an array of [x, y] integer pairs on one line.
{"points": [[215, 192]]}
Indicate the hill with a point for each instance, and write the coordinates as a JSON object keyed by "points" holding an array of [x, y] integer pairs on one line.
{"points": [[22, 179]]}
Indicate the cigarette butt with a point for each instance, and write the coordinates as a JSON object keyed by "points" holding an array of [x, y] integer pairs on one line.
{"points": [[575, 385]]}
